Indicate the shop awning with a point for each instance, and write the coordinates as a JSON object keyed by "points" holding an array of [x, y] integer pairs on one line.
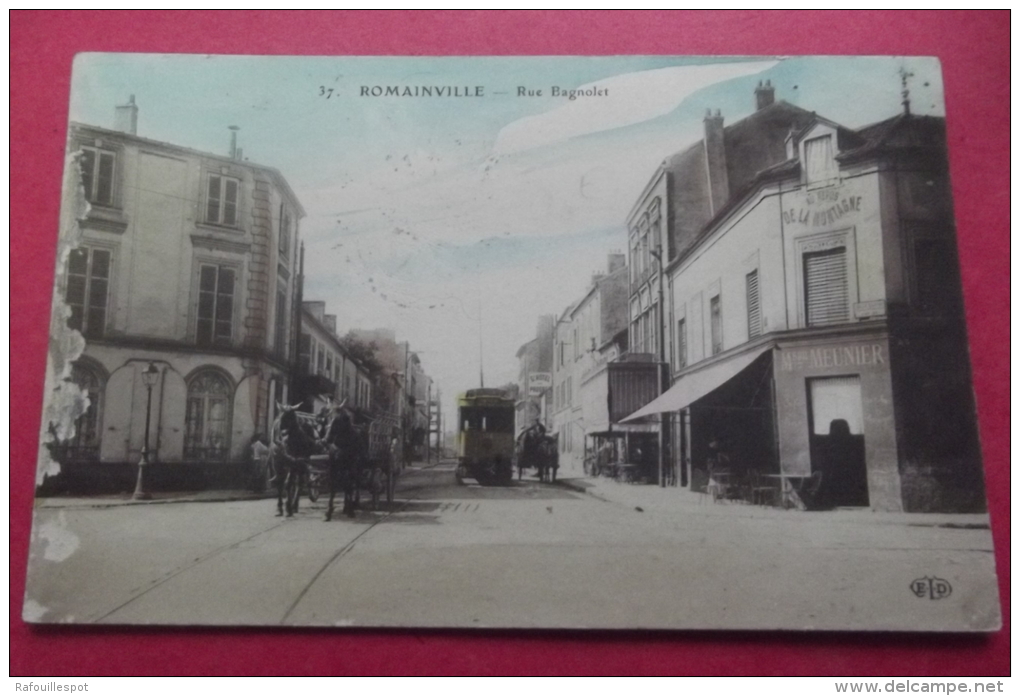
{"points": [[692, 387]]}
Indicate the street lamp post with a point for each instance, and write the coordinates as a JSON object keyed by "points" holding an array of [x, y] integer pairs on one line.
{"points": [[149, 377]]}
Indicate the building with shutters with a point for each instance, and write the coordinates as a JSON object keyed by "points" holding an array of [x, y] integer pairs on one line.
{"points": [[813, 321], [186, 261], [326, 372], [595, 380], [534, 375]]}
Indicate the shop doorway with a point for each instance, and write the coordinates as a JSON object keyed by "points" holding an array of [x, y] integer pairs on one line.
{"points": [[837, 441]]}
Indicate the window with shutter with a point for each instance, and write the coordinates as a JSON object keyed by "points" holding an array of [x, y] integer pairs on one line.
{"points": [[820, 163], [681, 343], [215, 305], [753, 305], [715, 311], [88, 280], [284, 245], [222, 200], [280, 333], [827, 297], [304, 352], [97, 169]]}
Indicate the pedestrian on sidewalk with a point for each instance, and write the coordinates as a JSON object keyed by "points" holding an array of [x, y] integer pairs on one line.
{"points": [[259, 463]]}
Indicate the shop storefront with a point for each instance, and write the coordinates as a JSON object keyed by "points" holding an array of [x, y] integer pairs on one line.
{"points": [[835, 419]]}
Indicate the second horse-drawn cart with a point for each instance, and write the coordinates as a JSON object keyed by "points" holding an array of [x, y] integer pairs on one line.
{"points": [[377, 469]]}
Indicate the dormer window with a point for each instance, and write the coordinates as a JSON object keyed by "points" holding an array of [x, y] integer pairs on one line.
{"points": [[820, 162]]}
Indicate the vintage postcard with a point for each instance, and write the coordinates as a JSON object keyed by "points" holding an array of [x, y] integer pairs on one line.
{"points": [[564, 342]]}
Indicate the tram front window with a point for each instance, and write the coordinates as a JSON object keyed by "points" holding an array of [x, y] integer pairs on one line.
{"points": [[493, 420]]}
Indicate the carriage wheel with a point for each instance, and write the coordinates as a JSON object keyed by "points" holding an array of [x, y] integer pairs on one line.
{"points": [[504, 472], [391, 485], [314, 487], [293, 492], [376, 487]]}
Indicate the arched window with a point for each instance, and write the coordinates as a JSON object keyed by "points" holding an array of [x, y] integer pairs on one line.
{"points": [[84, 444], [207, 420]]}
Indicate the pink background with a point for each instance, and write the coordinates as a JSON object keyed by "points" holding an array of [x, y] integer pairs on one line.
{"points": [[974, 50]]}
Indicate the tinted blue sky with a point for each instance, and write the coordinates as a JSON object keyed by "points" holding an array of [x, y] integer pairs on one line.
{"points": [[422, 209]]}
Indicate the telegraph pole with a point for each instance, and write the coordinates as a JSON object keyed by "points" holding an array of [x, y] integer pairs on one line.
{"points": [[481, 355], [661, 371]]}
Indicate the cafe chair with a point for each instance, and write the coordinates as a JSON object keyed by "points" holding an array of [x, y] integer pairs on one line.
{"points": [[763, 492], [719, 484]]}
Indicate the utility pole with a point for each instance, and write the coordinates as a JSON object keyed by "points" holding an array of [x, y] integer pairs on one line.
{"points": [[481, 354], [403, 405], [439, 423], [661, 371], [428, 426]]}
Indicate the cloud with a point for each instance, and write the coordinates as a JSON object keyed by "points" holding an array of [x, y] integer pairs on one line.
{"points": [[417, 241], [621, 100]]}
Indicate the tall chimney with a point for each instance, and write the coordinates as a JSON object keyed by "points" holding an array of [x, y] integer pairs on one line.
{"points": [[764, 95], [715, 161], [125, 117], [616, 261], [233, 141]]}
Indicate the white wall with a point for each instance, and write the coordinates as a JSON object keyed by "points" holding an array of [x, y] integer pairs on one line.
{"points": [[769, 233]]}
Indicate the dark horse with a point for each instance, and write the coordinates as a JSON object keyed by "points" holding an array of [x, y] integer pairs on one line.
{"points": [[547, 459], [292, 445], [344, 444]]}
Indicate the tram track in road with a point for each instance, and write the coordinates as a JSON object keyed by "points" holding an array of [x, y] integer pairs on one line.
{"points": [[349, 546], [208, 556], [161, 580]]}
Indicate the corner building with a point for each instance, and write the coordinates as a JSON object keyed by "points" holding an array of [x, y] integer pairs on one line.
{"points": [[186, 260], [815, 317]]}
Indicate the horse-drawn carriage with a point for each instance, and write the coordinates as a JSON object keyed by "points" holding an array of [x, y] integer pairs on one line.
{"points": [[540, 452], [337, 449]]}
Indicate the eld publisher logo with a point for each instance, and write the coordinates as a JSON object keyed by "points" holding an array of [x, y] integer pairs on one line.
{"points": [[932, 588]]}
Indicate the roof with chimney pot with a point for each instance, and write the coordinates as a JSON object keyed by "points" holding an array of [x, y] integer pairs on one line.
{"points": [[752, 143], [750, 146], [904, 132], [115, 134]]}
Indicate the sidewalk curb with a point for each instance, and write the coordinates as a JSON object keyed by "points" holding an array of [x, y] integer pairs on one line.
{"points": [[571, 485], [965, 521], [226, 496], [57, 503]]}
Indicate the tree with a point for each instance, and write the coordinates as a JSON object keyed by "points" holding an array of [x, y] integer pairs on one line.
{"points": [[362, 351]]}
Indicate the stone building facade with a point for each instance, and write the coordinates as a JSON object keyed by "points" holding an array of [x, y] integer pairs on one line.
{"points": [[814, 312], [534, 361], [187, 261], [325, 369]]}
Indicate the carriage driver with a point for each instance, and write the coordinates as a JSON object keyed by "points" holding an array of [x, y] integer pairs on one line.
{"points": [[535, 430], [532, 437]]}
